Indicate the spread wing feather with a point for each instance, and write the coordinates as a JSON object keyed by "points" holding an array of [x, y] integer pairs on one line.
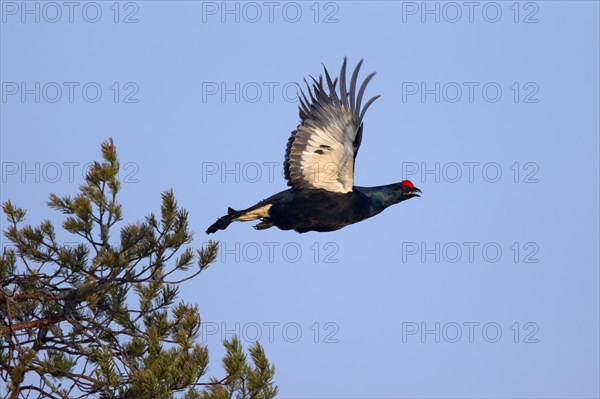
{"points": [[320, 153]]}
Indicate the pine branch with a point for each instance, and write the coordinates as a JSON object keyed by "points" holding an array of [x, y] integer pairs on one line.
{"points": [[101, 320]]}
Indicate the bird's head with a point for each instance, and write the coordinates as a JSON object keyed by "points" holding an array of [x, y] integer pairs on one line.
{"points": [[408, 190]]}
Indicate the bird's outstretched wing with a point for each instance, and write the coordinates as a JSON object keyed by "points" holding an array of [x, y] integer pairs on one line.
{"points": [[320, 153]]}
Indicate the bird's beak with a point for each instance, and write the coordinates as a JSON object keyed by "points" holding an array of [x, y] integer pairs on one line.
{"points": [[415, 191]]}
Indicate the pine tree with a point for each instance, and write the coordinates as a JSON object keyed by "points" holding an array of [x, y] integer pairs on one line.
{"points": [[101, 320]]}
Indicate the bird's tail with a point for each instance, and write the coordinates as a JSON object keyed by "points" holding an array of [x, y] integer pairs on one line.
{"points": [[223, 222]]}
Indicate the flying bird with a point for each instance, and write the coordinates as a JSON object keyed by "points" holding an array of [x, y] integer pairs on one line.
{"points": [[319, 166]]}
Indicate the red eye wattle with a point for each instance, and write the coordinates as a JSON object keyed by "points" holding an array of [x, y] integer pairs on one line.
{"points": [[407, 183]]}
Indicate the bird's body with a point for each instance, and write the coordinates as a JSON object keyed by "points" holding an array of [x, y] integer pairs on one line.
{"points": [[318, 210], [319, 167], [314, 210]]}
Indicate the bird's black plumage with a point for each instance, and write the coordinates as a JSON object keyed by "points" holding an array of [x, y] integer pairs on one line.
{"points": [[319, 165]]}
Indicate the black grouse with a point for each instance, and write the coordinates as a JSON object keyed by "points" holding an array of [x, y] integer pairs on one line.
{"points": [[319, 166]]}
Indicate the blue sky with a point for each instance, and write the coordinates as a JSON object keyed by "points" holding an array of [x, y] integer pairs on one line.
{"points": [[486, 287]]}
